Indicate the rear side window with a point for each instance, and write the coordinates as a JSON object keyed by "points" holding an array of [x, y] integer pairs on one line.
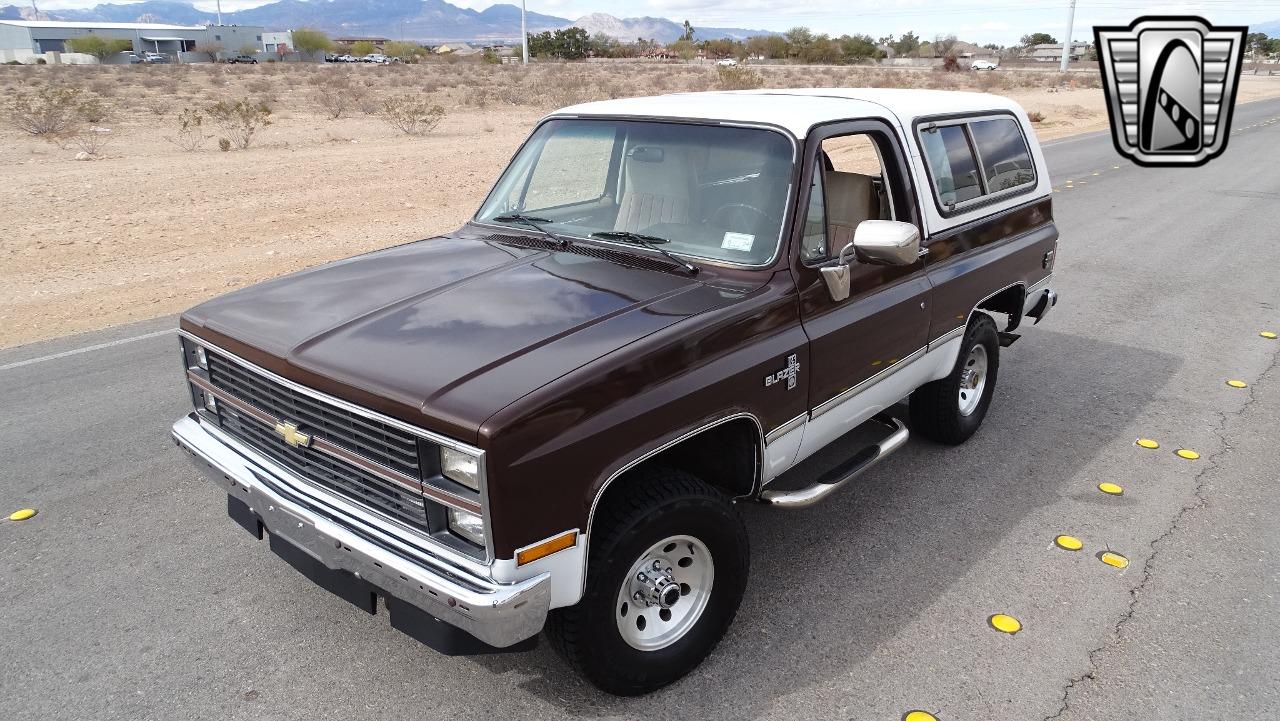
{"points": [[973, 159], [1006, 162], [951, 164]]}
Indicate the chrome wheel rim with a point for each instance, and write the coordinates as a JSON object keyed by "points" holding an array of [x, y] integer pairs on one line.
{"points": [[665, 592], [973, 380]]}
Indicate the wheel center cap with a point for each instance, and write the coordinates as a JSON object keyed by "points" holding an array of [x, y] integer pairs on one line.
{"points": [[654, 586]]}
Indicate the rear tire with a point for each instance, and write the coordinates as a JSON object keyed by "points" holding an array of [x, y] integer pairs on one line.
{"points": [[630, 637], [951, 409]]}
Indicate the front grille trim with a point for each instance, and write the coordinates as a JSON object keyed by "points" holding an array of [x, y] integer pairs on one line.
{"points": [[428, 532]]}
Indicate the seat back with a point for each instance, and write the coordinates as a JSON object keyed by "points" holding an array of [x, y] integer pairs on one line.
{"points": [[658, 184], [851, 199]]}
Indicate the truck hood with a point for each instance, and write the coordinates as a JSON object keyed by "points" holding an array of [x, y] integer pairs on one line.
{"points": [[445, 332]]}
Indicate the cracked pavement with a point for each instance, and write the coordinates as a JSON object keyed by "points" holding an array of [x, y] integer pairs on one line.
{"points": [[131, 595]]}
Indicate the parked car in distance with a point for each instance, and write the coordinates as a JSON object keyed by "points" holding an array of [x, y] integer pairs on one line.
{"points": [[331, 57], [984, 64], [155, 58], [550, 417], [345, 59], [131, 56], [242, 59], [727, 62], [377, 58]]}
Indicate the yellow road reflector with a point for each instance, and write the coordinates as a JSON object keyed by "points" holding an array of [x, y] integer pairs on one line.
{"points": [[22, 514], [547, 547], [1069, 543], [918, 716], [1267, 334], [1115, 167], [1237, 384], [1112, 489], [1187, 454], [1005, 624], [1147, 443], [1113, 559]]}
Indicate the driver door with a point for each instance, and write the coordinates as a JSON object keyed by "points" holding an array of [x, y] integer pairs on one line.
{"points": [[853, 172]]}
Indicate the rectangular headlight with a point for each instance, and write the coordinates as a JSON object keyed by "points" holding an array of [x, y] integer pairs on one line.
{"points": [[467, 525], [202, 358], [461, 467]]}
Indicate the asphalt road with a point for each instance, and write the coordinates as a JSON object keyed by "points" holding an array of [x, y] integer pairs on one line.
{"points": [[131, 595]]}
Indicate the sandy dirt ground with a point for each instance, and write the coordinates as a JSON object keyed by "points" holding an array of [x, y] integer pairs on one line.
{"points": [[149, 229]]}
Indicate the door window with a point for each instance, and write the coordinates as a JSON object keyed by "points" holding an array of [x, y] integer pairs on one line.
{"points": [[848, 188]]}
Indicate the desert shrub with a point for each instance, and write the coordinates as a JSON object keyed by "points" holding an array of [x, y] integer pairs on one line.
{"points": [[239, 120], [950, 64], [91, 141], [224, 145], [52, 110], [93, 109], [1035, 116], [190, 133], [738, 78], [411, 114], [333, 95]]}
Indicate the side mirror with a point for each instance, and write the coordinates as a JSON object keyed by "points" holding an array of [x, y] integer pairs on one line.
{"points": [[887, 241]]}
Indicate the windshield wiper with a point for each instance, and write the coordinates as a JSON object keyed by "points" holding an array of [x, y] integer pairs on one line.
{"points": [[535, 223], [645, 241]]}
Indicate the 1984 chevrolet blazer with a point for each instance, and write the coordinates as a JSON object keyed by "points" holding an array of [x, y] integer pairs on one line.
{"points": [[545, 418]]}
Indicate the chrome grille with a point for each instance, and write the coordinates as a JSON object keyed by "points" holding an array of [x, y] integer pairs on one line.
{"points": [[380, 443]]}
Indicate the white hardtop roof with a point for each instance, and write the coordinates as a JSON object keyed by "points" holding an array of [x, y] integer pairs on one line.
{"points": [[99, 26], [798, 110]]}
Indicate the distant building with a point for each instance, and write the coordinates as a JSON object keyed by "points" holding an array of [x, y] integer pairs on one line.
{"points": [[271, 42], [22, 40], [379, 44], [1052, 52], [458, 49]]}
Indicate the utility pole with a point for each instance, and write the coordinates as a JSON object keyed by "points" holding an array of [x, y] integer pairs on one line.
{"points": [[524, 33], [1066, 42], [220, 11]]}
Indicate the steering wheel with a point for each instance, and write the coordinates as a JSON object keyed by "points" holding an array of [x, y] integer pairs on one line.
{"points": [[738, 212]]}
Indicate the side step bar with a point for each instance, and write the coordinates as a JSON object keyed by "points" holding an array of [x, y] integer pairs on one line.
{"points": [[832, 480]]}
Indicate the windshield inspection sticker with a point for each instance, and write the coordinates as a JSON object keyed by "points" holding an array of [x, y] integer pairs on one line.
{"points": [[737, 241]]}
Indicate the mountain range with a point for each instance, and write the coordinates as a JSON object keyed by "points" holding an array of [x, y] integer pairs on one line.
{"points": [[426, 20]]}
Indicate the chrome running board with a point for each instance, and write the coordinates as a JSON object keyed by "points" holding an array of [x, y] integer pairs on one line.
{"points": [[856, 465]]}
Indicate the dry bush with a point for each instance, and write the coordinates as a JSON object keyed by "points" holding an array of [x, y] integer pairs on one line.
{"points": [[333, 95], [738, 78], [239, 120], [411, 114], [1035, 116], [53, 110], [91, 141], [190, 134]]}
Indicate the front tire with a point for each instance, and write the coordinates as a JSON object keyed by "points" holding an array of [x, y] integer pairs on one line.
{"points": [[668, 568], [951, 409]]}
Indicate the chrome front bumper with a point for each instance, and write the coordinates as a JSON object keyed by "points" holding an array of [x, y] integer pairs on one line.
{"points": [[290, 509]]}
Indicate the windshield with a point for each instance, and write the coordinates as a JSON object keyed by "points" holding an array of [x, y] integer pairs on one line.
{"points": [[709, 191]]}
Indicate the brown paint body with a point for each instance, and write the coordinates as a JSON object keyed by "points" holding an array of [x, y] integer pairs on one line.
{"points": [[565, 366]]}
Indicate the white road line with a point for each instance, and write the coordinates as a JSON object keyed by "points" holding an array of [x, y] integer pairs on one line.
{"points": [[86, 349]]}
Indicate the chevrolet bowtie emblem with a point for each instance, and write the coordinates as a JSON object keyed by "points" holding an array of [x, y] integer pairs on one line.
{"points": [[291, 435]]}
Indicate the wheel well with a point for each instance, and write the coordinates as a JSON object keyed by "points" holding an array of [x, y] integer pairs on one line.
{"points": [[1008, 301], [726, 456]]}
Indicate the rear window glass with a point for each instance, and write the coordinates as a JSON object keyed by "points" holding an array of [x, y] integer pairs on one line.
{"points": [[1006, 162], [951, 164]]}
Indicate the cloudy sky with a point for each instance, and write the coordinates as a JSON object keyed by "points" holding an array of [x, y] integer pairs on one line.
{"points": [[982, 21]]}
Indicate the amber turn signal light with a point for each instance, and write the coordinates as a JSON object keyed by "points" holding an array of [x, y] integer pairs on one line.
{"points": [[547, 547]]}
